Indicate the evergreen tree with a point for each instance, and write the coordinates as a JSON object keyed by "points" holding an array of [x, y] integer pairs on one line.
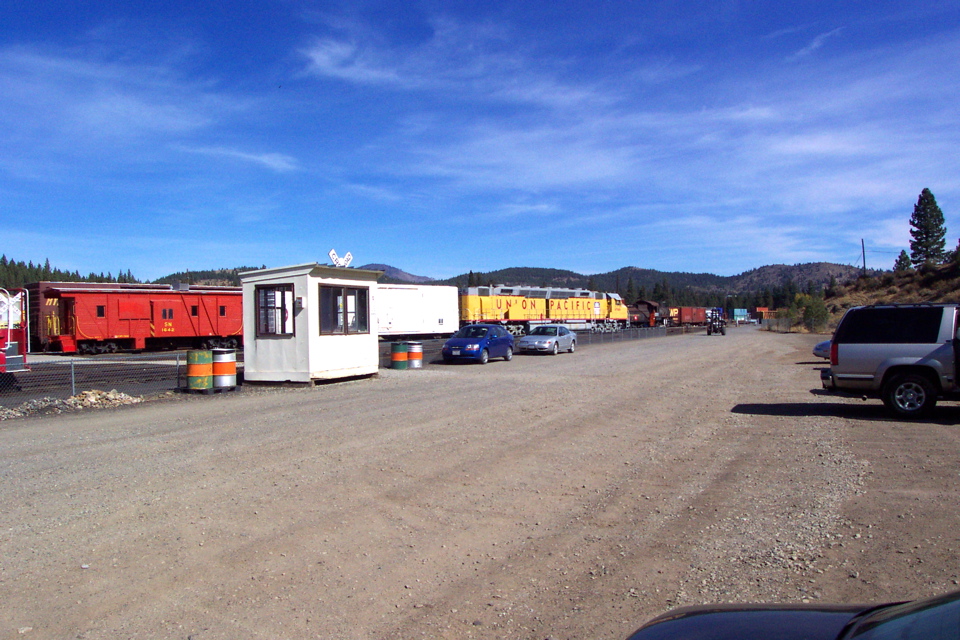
{"points": [[902, 263], [927, 230]]}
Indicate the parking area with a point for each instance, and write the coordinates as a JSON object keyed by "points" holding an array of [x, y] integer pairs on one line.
{"points": [[563, 497]]}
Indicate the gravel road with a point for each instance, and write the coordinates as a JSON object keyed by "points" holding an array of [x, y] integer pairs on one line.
{"points": [[545, 498]]}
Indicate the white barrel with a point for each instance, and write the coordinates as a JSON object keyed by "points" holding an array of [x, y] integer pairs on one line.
{"points": [[224, 368]]}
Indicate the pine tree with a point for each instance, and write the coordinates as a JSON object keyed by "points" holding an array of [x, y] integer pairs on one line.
{"points": [[927, 230], [902, 263]]}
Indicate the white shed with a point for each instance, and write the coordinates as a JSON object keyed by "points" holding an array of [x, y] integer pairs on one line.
{"points": [[308, 322]]}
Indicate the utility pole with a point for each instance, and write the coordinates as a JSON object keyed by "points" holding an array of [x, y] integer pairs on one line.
{"points": [[863, 248]]}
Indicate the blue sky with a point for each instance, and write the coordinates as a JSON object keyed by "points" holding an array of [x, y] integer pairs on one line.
{"points": [[443, 137]]}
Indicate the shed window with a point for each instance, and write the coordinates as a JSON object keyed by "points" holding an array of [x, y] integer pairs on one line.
{"points": [[274, 310], [344, 310]]}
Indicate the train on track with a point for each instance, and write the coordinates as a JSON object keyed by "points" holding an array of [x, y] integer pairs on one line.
{"points": [[521, 308], [692, 316], [89, 318]]}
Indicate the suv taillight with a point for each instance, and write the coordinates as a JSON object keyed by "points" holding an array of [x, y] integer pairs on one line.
{"points": [[833, 354]]}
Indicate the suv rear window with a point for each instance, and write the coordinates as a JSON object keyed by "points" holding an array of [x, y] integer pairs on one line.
{"points": [[905, 325]]}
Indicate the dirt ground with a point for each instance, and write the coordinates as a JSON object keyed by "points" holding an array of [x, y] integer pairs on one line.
{"points": [[558, 497]]}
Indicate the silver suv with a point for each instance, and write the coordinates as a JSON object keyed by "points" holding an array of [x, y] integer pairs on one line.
{"points": [[904, 354]]}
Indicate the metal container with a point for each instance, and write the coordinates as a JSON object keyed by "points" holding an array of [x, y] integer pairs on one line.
{"points": [[224, 368], [199, 370], [415, 355], [398, 355]]}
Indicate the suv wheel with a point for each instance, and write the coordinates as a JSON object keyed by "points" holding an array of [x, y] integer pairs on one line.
{"points": [[910, 395]]}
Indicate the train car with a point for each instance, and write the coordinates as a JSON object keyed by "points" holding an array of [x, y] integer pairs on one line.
{"points": [[415, 311], [686, 316], [520, 308], [643, 313], [87, 317], [14, 332]]}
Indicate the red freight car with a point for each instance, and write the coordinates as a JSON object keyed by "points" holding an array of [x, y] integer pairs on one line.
{"points": [[87, 317], [680, 316]]}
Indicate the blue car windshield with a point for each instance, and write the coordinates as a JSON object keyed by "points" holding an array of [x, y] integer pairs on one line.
{"points": [[472, 331], [935, 619]]}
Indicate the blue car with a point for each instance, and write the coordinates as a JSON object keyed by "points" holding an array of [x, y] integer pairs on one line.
{"points": [[936, 618], [479, 342]]}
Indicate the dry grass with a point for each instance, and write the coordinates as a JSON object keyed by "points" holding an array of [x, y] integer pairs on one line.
{"points": [[933, 284]]}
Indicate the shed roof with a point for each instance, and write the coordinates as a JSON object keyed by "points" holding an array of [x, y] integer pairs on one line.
{"points": [[313, 269]]}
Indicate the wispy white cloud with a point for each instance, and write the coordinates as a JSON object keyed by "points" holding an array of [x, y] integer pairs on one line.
{"points": [[274, 161], [815, 44], [83, 98], [344, 60]]}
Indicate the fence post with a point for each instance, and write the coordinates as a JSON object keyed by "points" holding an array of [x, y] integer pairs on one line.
{"points": [[73, 379]]}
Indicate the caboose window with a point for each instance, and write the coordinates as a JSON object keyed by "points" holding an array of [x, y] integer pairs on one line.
{"points": [[101, 311], [194, 310], [274, 310], [344, 310], [223, 311]]}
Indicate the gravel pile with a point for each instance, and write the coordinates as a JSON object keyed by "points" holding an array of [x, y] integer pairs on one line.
{"points": [[93, 399]]}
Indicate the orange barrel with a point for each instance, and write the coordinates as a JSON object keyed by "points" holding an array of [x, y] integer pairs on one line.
{"points": [[415, 355], [199, 370], [398, 355], [224, 368]]}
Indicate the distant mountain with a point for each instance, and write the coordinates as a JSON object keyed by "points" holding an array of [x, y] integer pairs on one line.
{"points": [[819, 274], [392, 274], [769, 277]]}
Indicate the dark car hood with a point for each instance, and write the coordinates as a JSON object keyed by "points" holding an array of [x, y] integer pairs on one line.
{"points": [[751, 622]]}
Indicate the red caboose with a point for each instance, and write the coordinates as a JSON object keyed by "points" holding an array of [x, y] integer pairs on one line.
{"points": [[87, 317]]}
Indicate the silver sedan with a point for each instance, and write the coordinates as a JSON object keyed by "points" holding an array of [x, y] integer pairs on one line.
{"points": [[822, 349], [548, 338]]}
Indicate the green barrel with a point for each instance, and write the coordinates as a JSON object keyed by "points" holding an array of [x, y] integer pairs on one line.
{"points": [[199, 370], [398, 355]]}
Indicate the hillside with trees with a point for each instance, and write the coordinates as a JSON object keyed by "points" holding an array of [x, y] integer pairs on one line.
{"points": [[15, 274]]}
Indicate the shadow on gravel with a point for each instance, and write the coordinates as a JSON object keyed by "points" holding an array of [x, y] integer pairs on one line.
{"points": [[872, 411]]}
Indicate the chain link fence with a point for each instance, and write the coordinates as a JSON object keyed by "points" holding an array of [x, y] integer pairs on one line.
{"points": [[431, 348], [154, 373], [133, 374]]}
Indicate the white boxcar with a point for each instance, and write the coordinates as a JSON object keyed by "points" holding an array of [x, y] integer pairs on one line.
{"points": [[416, 310]]}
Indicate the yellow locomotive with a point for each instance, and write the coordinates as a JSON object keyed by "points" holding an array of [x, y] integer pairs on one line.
{"points": [[519, 308]]}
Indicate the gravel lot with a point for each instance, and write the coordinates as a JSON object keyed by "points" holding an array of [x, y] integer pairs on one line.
{"points": [[549, 497]]}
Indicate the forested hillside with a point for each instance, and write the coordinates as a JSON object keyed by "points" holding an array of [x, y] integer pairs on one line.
{"points": [[16, 274], [771, 286]]}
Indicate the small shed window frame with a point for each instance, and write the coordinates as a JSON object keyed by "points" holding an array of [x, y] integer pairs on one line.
{"points": [[343, 310], [274, 308]]}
